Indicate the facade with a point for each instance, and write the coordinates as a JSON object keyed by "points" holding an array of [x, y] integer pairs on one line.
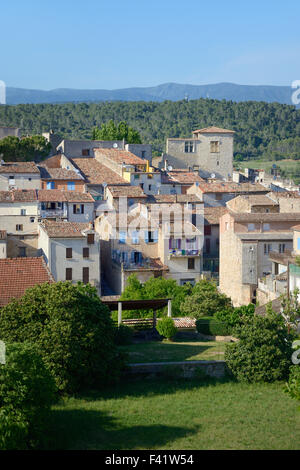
{"points": [[9, 131], [209, 151], [70, 205], [71, 251], [19, 175], [62, 179]]}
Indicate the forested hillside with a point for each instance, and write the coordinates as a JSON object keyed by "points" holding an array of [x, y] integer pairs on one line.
{"points": [[263, 130]]}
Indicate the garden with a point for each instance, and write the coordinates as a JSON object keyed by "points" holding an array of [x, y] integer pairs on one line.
{"points": [[65, 382]]}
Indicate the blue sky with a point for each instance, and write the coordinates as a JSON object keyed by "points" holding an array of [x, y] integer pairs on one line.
{"points": [[125, 43]]}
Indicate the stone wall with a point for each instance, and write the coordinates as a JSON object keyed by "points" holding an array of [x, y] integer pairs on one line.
{"points": [[184, 369]]}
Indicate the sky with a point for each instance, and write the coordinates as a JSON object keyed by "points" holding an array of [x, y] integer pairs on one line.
{"points": [[96, 44]]}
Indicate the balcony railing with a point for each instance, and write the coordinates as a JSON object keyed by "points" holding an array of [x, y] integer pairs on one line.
{"points": [[53, 213], [183, 253]]}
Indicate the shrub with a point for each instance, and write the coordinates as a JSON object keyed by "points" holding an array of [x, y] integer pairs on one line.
{"points": [[211, 326], [263, 352], [205, 300], [27, 390], [123, 335], [293, 385], [235, 316], [166, 327], [72, 329]]}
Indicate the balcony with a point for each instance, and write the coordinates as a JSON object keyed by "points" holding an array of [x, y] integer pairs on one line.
{"points": [[44, 214], [183, 253]]}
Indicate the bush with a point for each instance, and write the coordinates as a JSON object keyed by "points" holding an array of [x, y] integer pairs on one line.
{"points": [[293, 385], [235, 316], [205, 300], [123, 335], [212, 327], [263, 352], [166, 327], [72, 329], [27, 390]]}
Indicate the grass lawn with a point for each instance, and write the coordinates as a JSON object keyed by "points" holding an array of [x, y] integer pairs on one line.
{"points": [[292, 167], [182, 414], [164, 351]]}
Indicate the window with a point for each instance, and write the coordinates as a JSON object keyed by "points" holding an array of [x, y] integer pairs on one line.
{"points": [[191, 263], [151, 237], [185, 281], [68, 252], [29, 179], [149, 187], [78, 208], [85, 252], [207, 245], [135, 239], [68, 274], [214, 146], [207, 229], [174, 243], [136, 177], [143, 154], [71, 186], [50, 185], [218, 162], [85, 152], [122, 237], [85, 275], [189, 147], [19, 227], [142, 185], [91, 238], [32, 219], [267, 248], [219, 196], [23, 211], [281, 247], [251, 227], [22, 252], [266, 227]]}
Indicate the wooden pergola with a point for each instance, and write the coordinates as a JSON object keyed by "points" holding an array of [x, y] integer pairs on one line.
{"points": [[148, 304]]}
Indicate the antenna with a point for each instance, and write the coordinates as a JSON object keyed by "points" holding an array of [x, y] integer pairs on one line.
{"points": [[115, 145], [170, 168], [212, 175]]}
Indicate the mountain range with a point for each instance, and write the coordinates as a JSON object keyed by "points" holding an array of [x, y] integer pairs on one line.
{"points": [[166, 91]]}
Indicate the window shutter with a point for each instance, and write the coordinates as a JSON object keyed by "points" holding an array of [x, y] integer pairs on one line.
{"points": [[74, 208], [170, 243], [155, 236], [146, 236], [82, 208], [179, 244]]}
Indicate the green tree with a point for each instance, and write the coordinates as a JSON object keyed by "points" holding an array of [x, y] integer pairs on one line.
{"points": [[72, 329], [205, 300], [120, 131], [26, 149]]}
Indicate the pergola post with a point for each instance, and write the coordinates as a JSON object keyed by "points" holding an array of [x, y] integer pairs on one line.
{"points": [[169, 308], [154, 318], [119, 313]]}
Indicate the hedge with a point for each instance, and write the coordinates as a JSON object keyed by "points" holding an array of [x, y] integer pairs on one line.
{"points": [[212, 327]]}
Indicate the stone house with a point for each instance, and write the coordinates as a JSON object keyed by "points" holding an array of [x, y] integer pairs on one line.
{"points": [[19, 175]]}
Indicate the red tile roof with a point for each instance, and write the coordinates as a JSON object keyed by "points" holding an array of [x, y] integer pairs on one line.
{"points": [[17, 274], [18, 167], [230, 187], [18, 195], [57, 195], [181, 176], [64, 229], [97, 173], [128, 191], [120, 156], [212, 214], [213, 130], [59, 174]]}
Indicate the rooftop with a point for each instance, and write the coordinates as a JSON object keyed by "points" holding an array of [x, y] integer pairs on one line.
{"points": [[56, 195], [18, 167], [181, 176], [120, 156], [97, 173], [213, 130], [264, 217], [64, 229], [212, 214], [126, 191], [230, 187], [59, 174], [18, 195], [17, 274]]}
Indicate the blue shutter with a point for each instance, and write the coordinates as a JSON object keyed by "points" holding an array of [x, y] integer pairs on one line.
{"points": [[146, 236], [155, 236], [71, 186]]}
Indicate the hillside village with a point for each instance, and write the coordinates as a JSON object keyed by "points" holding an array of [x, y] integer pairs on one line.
{"points": [[99, 211]]}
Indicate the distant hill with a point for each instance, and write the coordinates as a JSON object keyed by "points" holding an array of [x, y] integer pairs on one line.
{"points": [[166, 91]]}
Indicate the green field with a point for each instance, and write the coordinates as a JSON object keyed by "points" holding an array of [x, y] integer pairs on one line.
{"points": [[165, 351], [182, 414], [290, 167]]}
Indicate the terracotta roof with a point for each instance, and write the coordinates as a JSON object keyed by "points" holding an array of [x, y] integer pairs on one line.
{"points": [[17, 274], [18, 195], [230, 187], [128, 191], [18, 167], [64, 229], [212, 214], [213, 130], [284, 194], [121, 156], [97, 173], [265, 216], [172, 198], [185, 322], [260, 200], [59, 174], [181, 176], [296, 228], [57, 195]]}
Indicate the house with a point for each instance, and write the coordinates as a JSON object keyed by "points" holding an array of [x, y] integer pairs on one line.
{"points": [[217, 193], [62, 179], [18, 274], [209, 151], [3, 244], [70, 205], [9, 131], [19, 218], [71, 251], [211, 255], [19, 175], [178, 181], [246, 240]]}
